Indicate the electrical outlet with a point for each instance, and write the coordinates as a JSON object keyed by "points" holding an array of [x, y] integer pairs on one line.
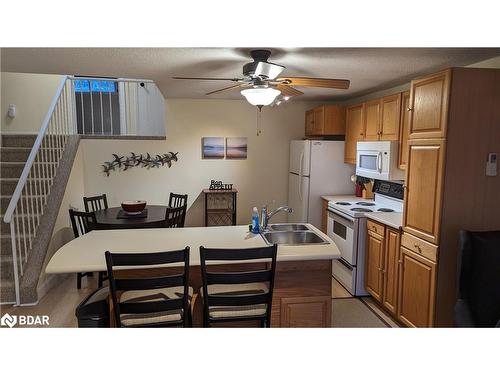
{"points": [[491, 164]]}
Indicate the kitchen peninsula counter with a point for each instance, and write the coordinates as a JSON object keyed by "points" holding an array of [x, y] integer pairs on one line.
{"points": [[302, 294]]}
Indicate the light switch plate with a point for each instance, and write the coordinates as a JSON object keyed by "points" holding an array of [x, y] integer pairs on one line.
{"points": [[491, 164]]}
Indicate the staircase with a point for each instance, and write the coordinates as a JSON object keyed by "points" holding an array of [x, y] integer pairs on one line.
{"points": [[14, 153]]}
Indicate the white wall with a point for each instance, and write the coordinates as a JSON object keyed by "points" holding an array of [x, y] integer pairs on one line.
{"points": [[260, 179], [32, 94]]}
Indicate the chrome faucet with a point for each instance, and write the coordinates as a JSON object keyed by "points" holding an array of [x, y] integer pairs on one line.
{"points": [[265, 217]]}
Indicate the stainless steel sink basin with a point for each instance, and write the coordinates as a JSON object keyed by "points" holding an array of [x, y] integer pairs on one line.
{"points": [[287, 227], [293, 238]]}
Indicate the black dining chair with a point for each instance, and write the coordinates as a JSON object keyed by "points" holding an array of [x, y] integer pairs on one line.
{"points": [[478, 303], [150, 301], [96, 203], [234, 296], [175, 217], [82, 223], [177, 200]]}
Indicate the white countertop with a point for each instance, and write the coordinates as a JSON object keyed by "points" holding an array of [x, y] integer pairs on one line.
{"points": [[392, 219], [86, 253]]}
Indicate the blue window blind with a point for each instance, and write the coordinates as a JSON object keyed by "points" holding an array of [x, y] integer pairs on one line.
{"points": [[84, 85]]}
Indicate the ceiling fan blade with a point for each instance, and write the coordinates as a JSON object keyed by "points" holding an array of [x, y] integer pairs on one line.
{"points": [[226, 88], [210, 79], [289, 91], [317, 82]]}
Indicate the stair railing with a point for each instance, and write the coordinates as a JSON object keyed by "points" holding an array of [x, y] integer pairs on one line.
{"points": [[33, 188]]}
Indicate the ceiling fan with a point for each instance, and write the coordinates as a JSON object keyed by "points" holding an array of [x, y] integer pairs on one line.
{"points": [[262, 84]]}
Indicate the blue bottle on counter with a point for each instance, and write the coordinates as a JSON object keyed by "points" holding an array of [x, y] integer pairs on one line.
{"points": [[255, 221]]}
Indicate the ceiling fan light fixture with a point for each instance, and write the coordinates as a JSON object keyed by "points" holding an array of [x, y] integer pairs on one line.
{"points": [[260, 96]]}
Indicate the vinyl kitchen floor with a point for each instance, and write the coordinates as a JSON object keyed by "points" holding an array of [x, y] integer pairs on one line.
{"points": [[353, 312]]}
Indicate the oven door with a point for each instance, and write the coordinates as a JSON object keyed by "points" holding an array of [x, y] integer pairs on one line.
{"points": [[342, 230]]}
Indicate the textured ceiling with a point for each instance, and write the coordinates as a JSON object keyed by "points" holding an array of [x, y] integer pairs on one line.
{"points": [[369, 69]]}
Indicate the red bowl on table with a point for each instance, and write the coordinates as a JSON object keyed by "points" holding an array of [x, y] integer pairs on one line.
{"points": [[133, 207]]}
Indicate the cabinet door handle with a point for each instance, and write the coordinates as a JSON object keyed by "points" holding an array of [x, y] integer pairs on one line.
{"points": [[418, 248], [409, 109]]}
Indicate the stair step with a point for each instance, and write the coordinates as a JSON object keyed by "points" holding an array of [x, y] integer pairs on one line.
{"points": [[11, 169], [18, 140], [14, 169], [27, 202], [6, 268], [14, 153], [8, 185], [5, 227], [7, 291]]}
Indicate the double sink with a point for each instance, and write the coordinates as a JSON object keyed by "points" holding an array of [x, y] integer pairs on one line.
{"points": [[291, 234]]}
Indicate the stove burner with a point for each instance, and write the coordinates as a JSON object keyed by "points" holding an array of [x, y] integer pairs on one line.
{"points": [[385, 209], [343, 203], [366, 204], [361, 209]]}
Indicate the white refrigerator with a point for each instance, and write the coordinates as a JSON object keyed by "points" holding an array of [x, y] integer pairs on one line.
{"points": [[316, 168]]}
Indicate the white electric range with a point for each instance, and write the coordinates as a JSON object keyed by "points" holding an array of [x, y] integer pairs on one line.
{"points": [[347, 228]]}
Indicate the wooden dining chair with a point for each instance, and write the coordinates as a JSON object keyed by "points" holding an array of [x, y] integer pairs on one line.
{"points": [[177, 200], [82, 223], [145, 299], [96, 203], [234, 296], [175, 217]]}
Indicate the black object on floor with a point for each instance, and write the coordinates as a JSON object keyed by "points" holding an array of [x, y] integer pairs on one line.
{"points": [[93, 311]]}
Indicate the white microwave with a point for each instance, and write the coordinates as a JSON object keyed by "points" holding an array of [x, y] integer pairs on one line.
{"points": [[378, 160]]}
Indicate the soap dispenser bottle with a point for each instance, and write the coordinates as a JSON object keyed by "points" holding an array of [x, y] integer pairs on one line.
{"points": [[255, 221]]}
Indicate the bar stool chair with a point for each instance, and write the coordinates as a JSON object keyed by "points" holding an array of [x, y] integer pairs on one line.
{"points": [[96, 203], [145, 301], [238, 296]]}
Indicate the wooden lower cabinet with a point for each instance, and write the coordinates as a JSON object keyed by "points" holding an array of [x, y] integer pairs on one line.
{"points": [[391, 266], [417, 281], [306, 311], [373, 265]]}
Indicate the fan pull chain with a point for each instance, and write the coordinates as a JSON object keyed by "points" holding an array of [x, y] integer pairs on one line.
{"points": [[259, 120]]}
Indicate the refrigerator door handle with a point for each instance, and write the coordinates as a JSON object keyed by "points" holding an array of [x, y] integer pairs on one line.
{"points": [[301, 161]]}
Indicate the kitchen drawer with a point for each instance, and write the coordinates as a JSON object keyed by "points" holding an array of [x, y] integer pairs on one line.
{"points": [[419, 246], [375, 227]]}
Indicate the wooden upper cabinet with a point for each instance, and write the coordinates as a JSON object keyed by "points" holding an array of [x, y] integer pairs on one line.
{"points": [[429, 105], [417, 284], [319, 121], [325, 120], [391, 265], [424, 180], [354, 132], [390, 117], [309, 122], [403, 129], [374, 265], [372, 120]]}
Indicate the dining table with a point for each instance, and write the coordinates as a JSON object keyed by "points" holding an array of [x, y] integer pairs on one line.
{"points": [[114, 218]]}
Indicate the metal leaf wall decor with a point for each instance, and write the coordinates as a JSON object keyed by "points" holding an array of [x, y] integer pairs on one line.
{"points": [[122, 163]]}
